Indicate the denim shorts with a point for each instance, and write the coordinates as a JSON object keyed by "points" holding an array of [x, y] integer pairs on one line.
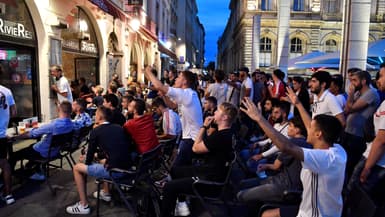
{"points": [[99, 171]]}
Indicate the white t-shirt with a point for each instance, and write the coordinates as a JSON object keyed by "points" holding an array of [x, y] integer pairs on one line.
{"points": [[64, 87], [327, 104], [6, 100], [247, 83], [171, 123], [233, 94], [219, 91], [322, 178], [379, 124], [190, 110]]}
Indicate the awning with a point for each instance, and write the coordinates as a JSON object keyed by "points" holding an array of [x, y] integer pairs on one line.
{"points": [[110, 8], [166, 51]]}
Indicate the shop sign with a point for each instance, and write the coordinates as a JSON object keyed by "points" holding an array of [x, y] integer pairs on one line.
{"points": [[88, 47], [73, 45], [13, 29]]}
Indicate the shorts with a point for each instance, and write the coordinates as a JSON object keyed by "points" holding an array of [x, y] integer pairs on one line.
{"points": [[99, 171]]}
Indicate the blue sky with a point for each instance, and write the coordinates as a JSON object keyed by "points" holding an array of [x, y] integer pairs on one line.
{"points": [[213, 14]]}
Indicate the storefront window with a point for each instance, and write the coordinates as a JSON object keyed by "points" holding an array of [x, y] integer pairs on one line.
{"points": [[16, 74], [17, 56]]}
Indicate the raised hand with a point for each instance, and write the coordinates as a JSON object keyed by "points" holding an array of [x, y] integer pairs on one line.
{"points": [[250, 109], [292, 96]]}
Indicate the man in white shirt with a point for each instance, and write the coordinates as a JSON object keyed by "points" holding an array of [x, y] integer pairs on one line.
{"points": [[325, 102], [323, 169], [7, 109], [219, 88], [247, 89], [171, 124], [185, 95], [61, 86]]}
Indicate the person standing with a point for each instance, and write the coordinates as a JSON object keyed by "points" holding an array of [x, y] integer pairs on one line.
{"points": [[234, 89], [219, 88], [361, 104], [185, 95], [247, 89], [61, 86], [7, 109]]}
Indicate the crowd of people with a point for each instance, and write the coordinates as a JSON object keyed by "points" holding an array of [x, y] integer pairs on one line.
{"points": [[307, 135]]}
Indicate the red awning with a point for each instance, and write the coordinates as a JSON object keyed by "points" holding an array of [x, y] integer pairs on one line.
{"points": [[110, 8], [166, 51]]}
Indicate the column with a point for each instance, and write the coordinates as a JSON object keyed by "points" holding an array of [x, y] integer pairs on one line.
{"points": [[283, 34], [256, 41]]}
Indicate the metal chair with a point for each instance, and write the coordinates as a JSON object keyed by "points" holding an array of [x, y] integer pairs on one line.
{"points": [[60, 141], [136, 180], [220, 189]]}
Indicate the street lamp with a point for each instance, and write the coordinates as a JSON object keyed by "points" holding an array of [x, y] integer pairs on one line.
{"points": [[135, 24]]}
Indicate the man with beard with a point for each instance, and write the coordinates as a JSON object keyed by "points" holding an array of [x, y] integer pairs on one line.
{"points": [[324, 101], [362, 102]]}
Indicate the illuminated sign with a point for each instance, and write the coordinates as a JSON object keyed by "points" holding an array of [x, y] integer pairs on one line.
{"points": [[13, 29]]}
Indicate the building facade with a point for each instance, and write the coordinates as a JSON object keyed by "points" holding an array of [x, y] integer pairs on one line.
{"points": [[92, 39], [315, 25], [190, 36]]}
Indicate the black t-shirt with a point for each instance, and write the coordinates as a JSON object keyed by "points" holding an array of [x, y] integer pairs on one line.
{"points": [[113, 142], [220, 149], [289, 176], [118, 117]]}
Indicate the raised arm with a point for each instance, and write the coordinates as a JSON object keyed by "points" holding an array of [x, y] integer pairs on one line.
{"points": [[155, 81], [283, 143], [302, 111]]}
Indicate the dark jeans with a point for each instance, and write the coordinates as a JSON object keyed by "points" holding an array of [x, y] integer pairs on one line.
{"points": [[182, 180], [185, 153], [374, 184], [255, 190], [354, 147], [26, 153]]}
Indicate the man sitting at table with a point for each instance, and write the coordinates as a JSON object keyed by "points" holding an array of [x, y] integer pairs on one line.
{"points": [[61, 125], [82, 119]]}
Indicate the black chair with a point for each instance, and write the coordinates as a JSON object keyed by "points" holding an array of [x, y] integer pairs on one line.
{"points": [[80, 139], [60, 141], [220, 192], [136, 182], [290, 201]]}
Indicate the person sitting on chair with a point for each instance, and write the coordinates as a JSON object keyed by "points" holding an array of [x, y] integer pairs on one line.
{"points": [[61, 125], [116, 152], [214, 151]]}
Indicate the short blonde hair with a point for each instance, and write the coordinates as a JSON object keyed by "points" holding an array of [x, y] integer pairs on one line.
{"points": [[230, 110]]}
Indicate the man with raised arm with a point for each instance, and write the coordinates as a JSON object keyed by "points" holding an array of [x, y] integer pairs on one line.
{"points": [[323, 169], [184, 94]]}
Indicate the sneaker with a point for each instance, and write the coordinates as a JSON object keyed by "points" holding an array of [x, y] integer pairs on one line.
{"points": [[181, 209], [103, 196], [37, 177], [8, 199], [77, 208]]}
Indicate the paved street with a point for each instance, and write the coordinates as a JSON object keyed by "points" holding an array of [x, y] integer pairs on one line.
{"points": [[35, 199]]}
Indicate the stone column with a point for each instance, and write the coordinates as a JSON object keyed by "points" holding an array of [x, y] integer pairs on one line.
{"points": [[256, 41], [283, 34], [355, 36]]}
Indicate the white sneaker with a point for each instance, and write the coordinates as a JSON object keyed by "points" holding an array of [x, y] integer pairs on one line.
{"points": [[8, 199], [181, 209], [103, 195], [77, 208], [37, 177]]}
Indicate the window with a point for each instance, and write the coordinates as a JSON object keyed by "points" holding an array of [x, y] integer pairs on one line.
{"points": [[265, 45], [330, 46], [265, 52], [266, 5], [296, 45], [299, 5], [331, 6]]}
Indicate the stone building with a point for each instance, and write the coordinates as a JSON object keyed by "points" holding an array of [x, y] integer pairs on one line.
{"points": [[315, 25]]}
